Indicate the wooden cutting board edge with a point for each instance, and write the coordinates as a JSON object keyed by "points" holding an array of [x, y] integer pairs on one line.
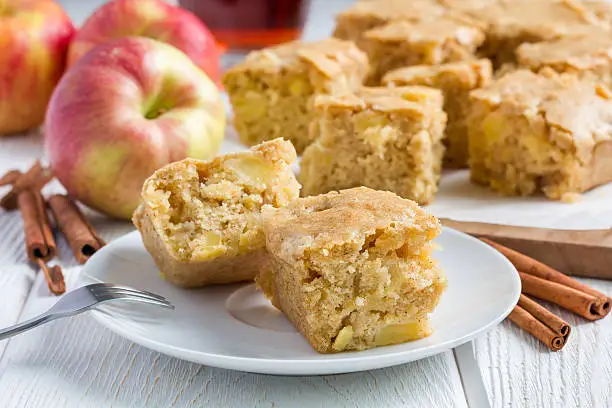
{"points": [[586, 253]]}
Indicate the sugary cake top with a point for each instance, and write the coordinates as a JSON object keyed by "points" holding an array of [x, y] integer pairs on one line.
{"points": [[580, 52], [330, 56], [387, 10], [418, 99], [543, 18], [470, 74], [336, 218], [432, 31], [579, 112]]}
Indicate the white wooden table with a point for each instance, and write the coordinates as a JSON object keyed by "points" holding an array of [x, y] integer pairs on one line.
{"points": [[77, 363]]}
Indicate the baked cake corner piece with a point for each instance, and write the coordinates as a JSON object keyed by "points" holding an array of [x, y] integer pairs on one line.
{"points": [[199, 220], [271, 91], [353, 269], [544, 132]]}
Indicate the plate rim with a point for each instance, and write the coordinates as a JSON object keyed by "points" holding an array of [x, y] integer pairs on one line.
{"points": [[350, 362]]}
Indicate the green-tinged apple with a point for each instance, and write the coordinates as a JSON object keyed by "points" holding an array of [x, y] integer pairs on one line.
{"points": [[34, 39], [124, 110], [154, 19]]}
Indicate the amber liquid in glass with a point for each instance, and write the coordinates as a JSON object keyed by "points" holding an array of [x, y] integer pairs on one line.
{"points": [[251, 24]]}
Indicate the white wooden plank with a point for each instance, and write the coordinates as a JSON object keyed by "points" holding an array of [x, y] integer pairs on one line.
{"points": [[76, 362], [520, 371]]}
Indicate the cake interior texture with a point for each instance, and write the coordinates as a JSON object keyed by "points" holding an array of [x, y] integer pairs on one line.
{"points": [[382, 138], [271, 91], [547, 132], [206, 213], [353, 269], [456, 80]]}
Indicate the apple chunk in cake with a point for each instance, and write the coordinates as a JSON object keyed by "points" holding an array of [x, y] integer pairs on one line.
{"points": [[541, 132], [353, 269], [200, 219], [272, 89], [382, 138]]}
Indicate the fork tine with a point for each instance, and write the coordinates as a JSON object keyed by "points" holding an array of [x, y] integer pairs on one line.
{"points": [[125, 293], [106, 297], [110, 287]]}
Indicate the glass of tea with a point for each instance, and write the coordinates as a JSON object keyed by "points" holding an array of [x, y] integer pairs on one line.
{"points": [[251, 24]]}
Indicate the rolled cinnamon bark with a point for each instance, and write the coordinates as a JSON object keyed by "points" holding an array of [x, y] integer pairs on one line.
{"points": [[601, 305], [528, 322], [555, 323], [568, 298], [79, 233], [40, 243], [10, 177], [34, 179], [54, 277]]}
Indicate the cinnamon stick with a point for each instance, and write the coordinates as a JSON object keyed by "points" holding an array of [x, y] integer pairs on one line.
{"points": [[551, 320], [79, 233], [10, 177], [528, 322], [39, 240], [53, 276], [34, 179], [601, 303], [568, 298]]}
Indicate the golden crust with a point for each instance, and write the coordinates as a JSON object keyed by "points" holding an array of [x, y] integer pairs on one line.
{"points": [[330, 56], [323, 221], [569, 54], [580, 108], [417, 99]]}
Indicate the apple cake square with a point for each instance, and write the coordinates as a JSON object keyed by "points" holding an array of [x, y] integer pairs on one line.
{"points": [[455, 80], [353, 269], [365, 15], [199, 220], [271, 91], [402, 43], [382, 138], [542, 132], [512, 23], [588, 56]]}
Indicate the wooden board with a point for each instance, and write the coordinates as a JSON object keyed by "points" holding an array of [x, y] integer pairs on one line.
{"points": [[585, 253]]}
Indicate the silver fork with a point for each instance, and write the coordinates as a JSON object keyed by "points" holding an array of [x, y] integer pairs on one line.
{"points": [[85, 298]]}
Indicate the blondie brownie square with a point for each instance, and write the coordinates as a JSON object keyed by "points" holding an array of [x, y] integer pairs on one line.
{"points": [[199, 220], [511, 23], [365, 15], [533, 132], [353, 269], [271, 90], [401, 43], [456, 80], [588, 56], [383, 138]]}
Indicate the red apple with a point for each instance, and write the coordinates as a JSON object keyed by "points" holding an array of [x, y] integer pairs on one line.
{"points": [[34, 39], [154, 19], [124, 110]]}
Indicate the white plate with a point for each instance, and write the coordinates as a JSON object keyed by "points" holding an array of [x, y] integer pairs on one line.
{"points": [[235, 327]]}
